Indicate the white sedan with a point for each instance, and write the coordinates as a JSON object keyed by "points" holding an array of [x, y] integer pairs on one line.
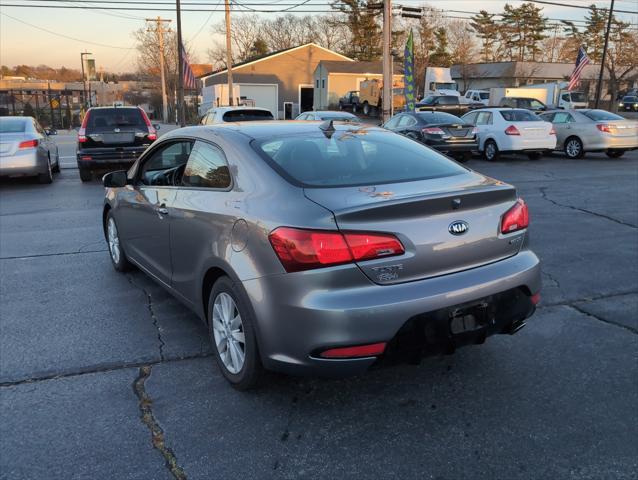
{"points": [[502, 130]]}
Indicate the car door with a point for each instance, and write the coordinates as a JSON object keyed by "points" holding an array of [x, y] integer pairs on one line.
{"points": [[144, 215], [483, 126], [203, 218], [562, 122]]}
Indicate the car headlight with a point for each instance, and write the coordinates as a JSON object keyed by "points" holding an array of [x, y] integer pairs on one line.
{"points": [[621, 104], [635, 104]]}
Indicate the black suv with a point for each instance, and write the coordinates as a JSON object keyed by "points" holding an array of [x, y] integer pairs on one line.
{"points": [[111, 137]]}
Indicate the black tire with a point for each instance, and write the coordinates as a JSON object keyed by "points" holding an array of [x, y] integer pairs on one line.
{"points": [[534, 155], [462, 157], [615, 153], [490, 151], [85, 174], [119, 261], [355, 108], [56, 169], [251, 370], [46, 177], [573, 148], [366, 108], [340, 106]]}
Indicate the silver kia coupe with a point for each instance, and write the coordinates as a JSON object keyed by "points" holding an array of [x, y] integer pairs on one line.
{"points": [[323, 248]]}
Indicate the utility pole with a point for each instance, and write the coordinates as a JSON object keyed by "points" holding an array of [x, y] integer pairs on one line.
{"points": [[85, 103], [599, 87], [229, 55], [180, 68], [386, 101], [160, 34]]}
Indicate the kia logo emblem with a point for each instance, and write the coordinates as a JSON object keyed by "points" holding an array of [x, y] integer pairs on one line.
{"points": [[458, 227]]}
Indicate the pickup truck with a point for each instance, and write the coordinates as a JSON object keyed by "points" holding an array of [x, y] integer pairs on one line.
{"points": [[350, 101], [446, 103]]}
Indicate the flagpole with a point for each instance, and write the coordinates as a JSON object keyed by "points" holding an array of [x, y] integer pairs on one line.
{"points": [[180, 68], [602, 62]]}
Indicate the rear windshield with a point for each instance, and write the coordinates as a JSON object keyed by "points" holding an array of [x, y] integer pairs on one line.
{"points": [[438, 117], [340, 118], [519, 116], [247, 115], [115, 117], [353, 157], [13, 125], [598, 115]]}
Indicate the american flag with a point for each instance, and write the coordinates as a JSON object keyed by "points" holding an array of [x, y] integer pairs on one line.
{"points": [[190, 82], [581, 61]]}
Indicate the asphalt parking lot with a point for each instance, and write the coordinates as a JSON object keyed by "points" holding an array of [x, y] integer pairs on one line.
{"points": [[106, 376]]}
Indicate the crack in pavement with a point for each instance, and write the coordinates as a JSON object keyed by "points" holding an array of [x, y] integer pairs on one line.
{"points": [[38, 255], [543, 191], [148, 418], [603, 320], [551, 277], [149, 305], [100, 369]]}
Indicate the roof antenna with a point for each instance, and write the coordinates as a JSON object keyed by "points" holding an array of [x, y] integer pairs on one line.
{"points": [[328, 128]]}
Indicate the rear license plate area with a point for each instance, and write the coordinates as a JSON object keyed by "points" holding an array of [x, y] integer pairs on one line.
{"points": [[469, 319]]}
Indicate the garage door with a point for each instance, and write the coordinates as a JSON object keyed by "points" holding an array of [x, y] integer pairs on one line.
{"points": [[265, 96]]}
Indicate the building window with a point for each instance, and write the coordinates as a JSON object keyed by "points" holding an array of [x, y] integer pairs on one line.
{"points": [[317, 83], [323, 83]]}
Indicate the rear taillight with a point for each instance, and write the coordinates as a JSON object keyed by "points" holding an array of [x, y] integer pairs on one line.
{"points": [[433, 131], [28, 144], [370, 350], [512, 130], [552, 131], [82, 130], [152, 133], [300, 249], [603, 127], [516, 218]]}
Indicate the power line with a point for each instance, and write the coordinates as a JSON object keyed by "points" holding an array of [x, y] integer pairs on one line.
{"points": [[65, 36]]}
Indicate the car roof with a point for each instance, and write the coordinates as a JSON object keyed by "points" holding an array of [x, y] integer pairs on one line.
{"points": [[332, 112], [269, 128], [116, 107], [239, 107]]}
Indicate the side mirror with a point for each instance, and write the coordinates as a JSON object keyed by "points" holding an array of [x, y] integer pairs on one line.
{"points": [[156, 126], [50, 131], [116, 179]]}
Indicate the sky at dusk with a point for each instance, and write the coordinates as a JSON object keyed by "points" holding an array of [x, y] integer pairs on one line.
{"points": [[21, 43]]}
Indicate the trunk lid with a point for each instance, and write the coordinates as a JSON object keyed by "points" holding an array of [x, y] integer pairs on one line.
{"points": [[533, 129], [458, 130], [9, 142], [622, 128], [423, 214]]}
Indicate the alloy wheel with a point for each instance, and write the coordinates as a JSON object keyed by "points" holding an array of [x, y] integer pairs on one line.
{"points": [[490, 151], [228, 331], [114, 241], [572, 149]]}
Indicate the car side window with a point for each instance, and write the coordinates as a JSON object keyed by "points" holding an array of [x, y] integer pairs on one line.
{"points": [[562, 117], [206, 167], [470, 118], [166, 164], [393, 122], [547, 117], [406, 121], [484, 118]]}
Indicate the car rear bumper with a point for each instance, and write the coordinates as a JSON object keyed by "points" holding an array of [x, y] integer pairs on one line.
{"points": [[299, 315], [601, 143], [22, 164], [519, 144], [453, 147], [107, 157]]}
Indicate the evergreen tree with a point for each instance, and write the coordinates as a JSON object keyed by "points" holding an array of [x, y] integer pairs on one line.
{"points": [[593, 37], [441, 55], [486, 29], [362, 23]]}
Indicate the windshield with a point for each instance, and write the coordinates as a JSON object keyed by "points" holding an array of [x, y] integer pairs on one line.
{"points": [[578, 97], [443, 86], [598, 115], [630, 99], [13, 125], [429, 100], [519, 116], [352, 158], [115, 117], [438, 117], [246, 115], [484, 95]]}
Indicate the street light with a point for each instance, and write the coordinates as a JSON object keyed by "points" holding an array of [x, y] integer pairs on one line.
{"points": [[84, 80]]}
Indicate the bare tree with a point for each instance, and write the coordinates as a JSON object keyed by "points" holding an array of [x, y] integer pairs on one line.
{"points": [[245, 31]]}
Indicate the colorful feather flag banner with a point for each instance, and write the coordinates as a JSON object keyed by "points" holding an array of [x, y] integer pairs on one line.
{"points": [[408, 67]]}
